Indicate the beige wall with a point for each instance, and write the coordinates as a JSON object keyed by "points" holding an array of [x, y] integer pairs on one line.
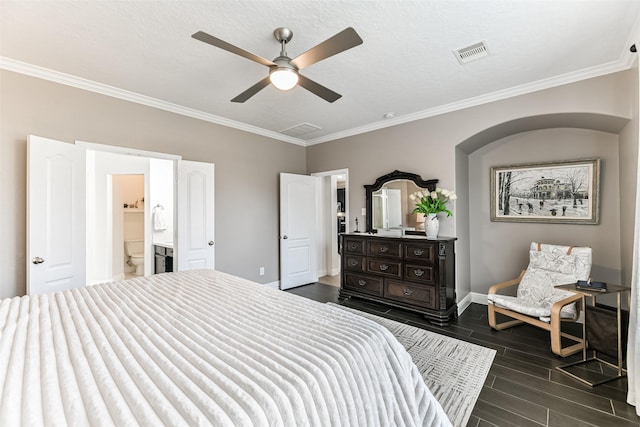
{"points": [[437, 147], [247, 167], [629, 138], [491, 242]]}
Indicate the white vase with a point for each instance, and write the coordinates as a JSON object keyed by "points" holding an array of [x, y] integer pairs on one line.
{"points": [[432, 225]]}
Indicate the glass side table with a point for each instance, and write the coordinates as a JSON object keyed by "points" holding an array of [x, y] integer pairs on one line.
{"points": [[582, 370]]}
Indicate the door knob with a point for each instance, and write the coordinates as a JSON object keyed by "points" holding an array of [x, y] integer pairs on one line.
{"points": [[210, 242], [37, 260], [285, 237]]}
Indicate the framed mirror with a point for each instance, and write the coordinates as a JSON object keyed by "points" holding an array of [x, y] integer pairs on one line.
{"points": [[387, 201]]}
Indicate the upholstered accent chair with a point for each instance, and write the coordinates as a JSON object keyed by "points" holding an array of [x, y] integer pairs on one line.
{"points": [[538, 302]]}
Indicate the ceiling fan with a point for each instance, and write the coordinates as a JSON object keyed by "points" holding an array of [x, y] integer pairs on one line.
{"points": [[284, 71]]}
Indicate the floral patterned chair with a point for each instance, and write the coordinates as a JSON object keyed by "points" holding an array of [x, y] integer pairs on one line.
{"points": [[537, 301]]}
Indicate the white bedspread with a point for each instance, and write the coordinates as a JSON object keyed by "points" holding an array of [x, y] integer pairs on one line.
{"points": [[201, 348]]}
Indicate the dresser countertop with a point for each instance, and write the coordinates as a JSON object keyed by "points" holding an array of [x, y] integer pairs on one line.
{"points": [[164, 244], [406, 236]]}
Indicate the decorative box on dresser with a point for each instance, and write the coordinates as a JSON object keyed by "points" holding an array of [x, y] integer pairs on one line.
{"points": [[410, 272]]}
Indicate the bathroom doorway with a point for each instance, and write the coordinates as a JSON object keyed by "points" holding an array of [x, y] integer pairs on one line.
{"points": [[128, 236], [333, 219], [122, 192], [79, 212]]}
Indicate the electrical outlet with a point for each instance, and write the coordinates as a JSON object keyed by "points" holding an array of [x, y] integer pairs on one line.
{"points": [[262, 271]]}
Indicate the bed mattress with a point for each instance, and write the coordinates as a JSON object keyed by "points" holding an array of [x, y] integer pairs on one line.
{"points": [[201, 348]]}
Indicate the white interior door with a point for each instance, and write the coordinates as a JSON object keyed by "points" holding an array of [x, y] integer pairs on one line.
{"points": [[298, 264], [195, 216], [394, 205], [56, 215]]}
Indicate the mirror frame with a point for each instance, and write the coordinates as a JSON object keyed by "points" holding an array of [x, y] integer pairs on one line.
{"points": [[393, 176]]}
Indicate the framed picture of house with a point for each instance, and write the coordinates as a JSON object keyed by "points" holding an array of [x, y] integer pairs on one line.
{"points": [[554, 192]]}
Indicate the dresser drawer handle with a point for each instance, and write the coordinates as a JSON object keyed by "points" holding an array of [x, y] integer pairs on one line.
{"points": [[384, 249], [418, 252], [362, 282], [418, 272], [353, 246], [384, 267], [407, 292], [353, 262]]}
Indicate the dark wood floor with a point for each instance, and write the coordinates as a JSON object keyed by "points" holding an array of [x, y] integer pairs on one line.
{"points": [[523, 387]]}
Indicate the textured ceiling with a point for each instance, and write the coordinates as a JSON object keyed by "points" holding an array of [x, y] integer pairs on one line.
{"points": [[143, 51]]}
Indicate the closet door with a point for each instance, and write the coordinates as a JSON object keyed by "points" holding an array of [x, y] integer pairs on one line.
{"points": [[195, 211], [56, 215]]}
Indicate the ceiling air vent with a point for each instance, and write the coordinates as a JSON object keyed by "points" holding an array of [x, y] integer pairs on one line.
{"points": [[471, 53], [301, 129]]}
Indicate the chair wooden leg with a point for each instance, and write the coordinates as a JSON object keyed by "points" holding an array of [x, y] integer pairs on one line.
{"points": [[554, 328], [556, 341], [503, 325], [492, 316]]}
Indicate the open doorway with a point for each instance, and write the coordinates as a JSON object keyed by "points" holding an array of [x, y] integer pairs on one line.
{"points": [[122, 214], [333, 219], [128, 236], [79, 213]]}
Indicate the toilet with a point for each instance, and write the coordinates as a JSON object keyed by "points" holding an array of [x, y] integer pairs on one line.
{"points": [[135, 251]]}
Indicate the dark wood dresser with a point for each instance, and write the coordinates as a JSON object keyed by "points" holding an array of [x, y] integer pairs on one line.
{"points": [[410, 272]]}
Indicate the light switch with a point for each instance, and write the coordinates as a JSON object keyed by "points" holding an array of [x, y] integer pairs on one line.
{"points": [[364, 211]]}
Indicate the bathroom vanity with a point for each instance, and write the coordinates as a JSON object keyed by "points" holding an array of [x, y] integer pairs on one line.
{"points": [[163, 257]]}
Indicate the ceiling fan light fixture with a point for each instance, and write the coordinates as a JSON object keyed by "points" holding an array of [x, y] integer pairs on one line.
{"points": [[283, 71], [283, 78]]}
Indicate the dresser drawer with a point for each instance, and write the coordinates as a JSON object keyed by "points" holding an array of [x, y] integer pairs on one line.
{"points": [[354, 262], [384, 249], [420, 273], [162, 250], [361, 283], [353, 245], [421, 295], [419, 251], [384, 267]]}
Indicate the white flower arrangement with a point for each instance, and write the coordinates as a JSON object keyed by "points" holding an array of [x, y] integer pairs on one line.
{"points": [[432, 202]]}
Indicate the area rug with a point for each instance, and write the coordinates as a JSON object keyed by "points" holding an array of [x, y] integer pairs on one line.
{"points": [[454, 370]]}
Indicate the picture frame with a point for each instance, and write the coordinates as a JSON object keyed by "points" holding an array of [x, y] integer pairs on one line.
{"points": [[563, 192]]}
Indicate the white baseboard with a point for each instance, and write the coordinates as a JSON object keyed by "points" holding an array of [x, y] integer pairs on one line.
{"points": [[464, 304], [478, 298], [272, 285], [331, 272], [472, 297]]}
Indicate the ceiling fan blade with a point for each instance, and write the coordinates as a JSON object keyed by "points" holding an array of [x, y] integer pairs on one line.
{"points": [[317, 89], [214, 41], [252, 90], [345, 39]]}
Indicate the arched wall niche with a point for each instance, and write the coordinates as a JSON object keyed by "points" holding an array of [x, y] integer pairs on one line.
{"points": [[492, 252], [592, 121]]}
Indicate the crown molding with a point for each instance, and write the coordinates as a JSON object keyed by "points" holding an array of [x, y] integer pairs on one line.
{"points": [[625, 62], [80, 83], [634, 38], [612, 67]]}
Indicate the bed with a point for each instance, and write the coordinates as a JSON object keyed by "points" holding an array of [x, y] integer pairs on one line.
{"points": [[201, 348]]}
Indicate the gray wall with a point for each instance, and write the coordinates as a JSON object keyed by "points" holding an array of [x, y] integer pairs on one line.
{"points": [[438, 147], [247, 167], [629, 138], [490, 241]]}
